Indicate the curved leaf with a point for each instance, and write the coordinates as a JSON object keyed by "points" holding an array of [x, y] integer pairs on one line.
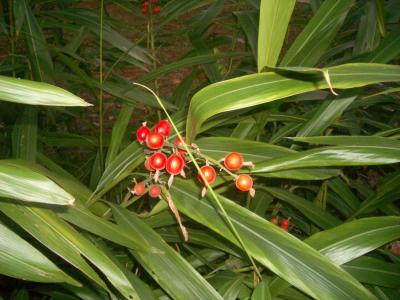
{"points": [[22, 183], [284, 254], [20, 260], [251, 90], [36, 93]]}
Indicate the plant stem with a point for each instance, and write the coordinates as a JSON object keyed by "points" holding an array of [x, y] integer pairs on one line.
{"points": [[214, 196], [12, 32], [101, 88]]}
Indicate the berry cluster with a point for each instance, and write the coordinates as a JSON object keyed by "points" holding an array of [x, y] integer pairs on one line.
{"points": [[148, 6], [284, 224], [165, 158]]}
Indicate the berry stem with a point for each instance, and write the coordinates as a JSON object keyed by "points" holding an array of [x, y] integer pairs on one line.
{"points": [[214, 195]]}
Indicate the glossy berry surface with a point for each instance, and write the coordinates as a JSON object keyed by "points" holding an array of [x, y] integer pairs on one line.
{"points": [[274, 221], [154, 191], [175, 164], [209, 174], [153, 1], [145, 4], [180, 142], [139, 189], [233, 161], [142, 133], [158, 161], [163, 127], [244, 182], [144, 11], [156, 10], [154, 140]]}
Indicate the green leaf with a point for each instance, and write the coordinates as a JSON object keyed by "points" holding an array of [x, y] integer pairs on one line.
{"points": [[20, 260], [261, 292], [281, 252], [274, 20], [22, 183], [68, 243], [318, 34], [332, 156], [163, 263], [354, 140], [374, 271], [36, 93], [255, 89], [42, 64], [248, 20], [24, 135]]}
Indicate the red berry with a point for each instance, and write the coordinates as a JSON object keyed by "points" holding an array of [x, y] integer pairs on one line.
{"points": [[209, 174], [180, 142], [142, 133], [156, 10], [154, 191], [163, 127], [233, 161], [145, 4], [175, 164], [144, 11], [154, 140], [285, 224], [139, 189], [158, 161], [244, 182], [147, 165], [274, 221], [153, 1]]}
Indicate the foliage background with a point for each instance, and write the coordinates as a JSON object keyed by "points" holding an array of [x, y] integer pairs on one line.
{"points": [[309, 93]]}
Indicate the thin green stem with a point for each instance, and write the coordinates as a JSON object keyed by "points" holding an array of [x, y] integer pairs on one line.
{"points": [[12, 32], [101, 105], [214, 196]]}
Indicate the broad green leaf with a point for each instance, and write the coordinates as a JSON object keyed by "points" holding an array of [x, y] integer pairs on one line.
{"points": [[281, 252], [354, 140], [257, 152], [274, 20], [349, 241], [261, 292], [327, 113], [36, 93], [20, 260], [318, 34], [332, 156], [255, 89], [165, 265], [22, 183], [68, 243], [374, 271]]}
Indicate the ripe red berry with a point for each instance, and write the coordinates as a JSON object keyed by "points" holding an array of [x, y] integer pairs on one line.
{"points": [[209, 174], [147, 165], [244, 182], [163, 127], [175, 164], [156, 10], [158, 161], [154, 140], [233, 161], [153, 1], [285, 224], [180, 142], [139, 189], [154, 191], [145, 4], [142, 133], [144, 11], [274, 221]]}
